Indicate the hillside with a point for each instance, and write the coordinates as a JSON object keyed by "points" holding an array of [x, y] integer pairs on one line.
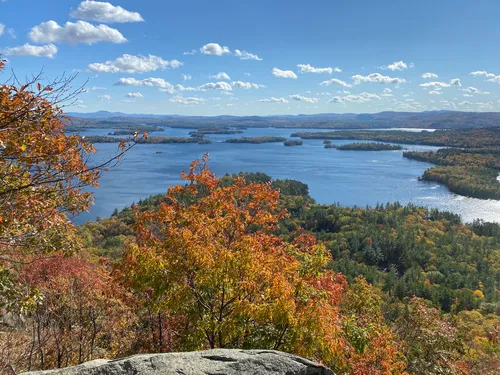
{"points": [[425, 120]]}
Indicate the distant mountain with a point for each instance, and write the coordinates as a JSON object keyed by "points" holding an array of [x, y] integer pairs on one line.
{"points": [[107, 114], [382, 120]]}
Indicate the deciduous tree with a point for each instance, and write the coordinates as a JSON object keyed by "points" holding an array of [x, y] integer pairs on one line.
{"points": [[210, 256]]}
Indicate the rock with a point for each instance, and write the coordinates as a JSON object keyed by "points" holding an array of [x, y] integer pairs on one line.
{"points": [[208, 362]]}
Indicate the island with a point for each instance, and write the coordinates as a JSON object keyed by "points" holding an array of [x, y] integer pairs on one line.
{"points": [[256, 140], [471, 172], [204, 142], [330, 145], [218, 130], [293, 143], [371, 146], [469, 163]]}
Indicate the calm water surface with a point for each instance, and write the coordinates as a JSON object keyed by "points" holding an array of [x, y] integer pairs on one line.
{"points": [[349, 177]]}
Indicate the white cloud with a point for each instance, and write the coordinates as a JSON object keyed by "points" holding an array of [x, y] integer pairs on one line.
{"points": [[335, 81], [377, 78], [387, 90], [244, 55], [104, 97], [435, 85], [184, 88], [186, 100], [434, 92], [2, 28], [300, 98], [220, 75], [147, 82], [246, 85], [104, 12], [186, 77], [490, 77], [429, 76], [217, 50], [214, 49], [95, 88], [495, 79], [134, 64], [134, 95], [224, 86], [284, 73], [48, 50], [473, 90], [79, 104], [307, 68], [397, 65], [337, 70], [274, 100], [482, 74], [248, 74], [336, 100], [360, 98], [73, 33], [192, 52]]}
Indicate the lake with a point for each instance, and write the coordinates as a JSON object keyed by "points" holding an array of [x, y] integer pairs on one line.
{"points": [[351, 178]]}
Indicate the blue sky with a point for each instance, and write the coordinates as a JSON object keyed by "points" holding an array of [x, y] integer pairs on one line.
{"points": [[198, 57]]}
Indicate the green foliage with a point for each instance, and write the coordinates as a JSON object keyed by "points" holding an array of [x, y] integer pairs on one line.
{"points": [[469, 172], [466, 138], [469, 181], [429, 291], [293, 143], [371, 146]]}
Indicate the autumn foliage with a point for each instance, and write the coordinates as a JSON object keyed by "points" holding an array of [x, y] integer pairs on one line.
{"points": [[211, 260], [55, 309], [210, 257], [221, 263], [43, 170], [80, 314]]}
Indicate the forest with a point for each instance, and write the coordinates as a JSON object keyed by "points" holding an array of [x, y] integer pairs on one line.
{"points": [[214, 130], [293, 143], [368, 146], [347, 121], [470, 172], [463, 138], [238, 261]]}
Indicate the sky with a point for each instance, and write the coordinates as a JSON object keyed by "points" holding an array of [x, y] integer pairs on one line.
{"points": [[255, 57]]}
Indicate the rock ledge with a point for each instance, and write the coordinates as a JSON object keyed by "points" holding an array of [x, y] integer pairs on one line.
{"points": [[208, 362]]}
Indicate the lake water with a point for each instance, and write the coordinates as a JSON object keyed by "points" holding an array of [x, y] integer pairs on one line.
{"points": [[351, 178]]}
